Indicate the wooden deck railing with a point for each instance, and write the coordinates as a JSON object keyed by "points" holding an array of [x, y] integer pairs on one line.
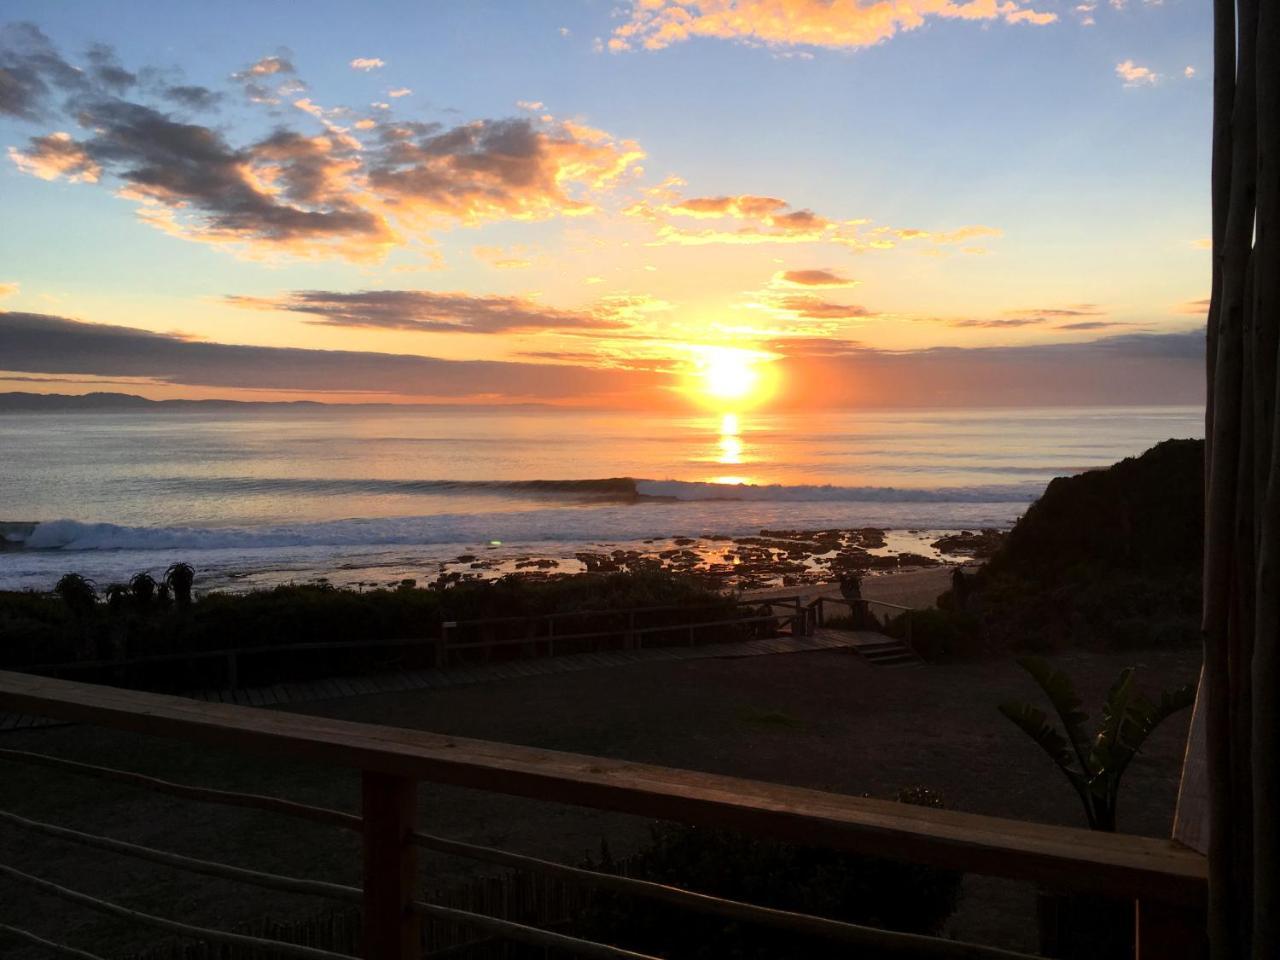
{"points": [[536, 632], [1166, 880], [818, 612]]}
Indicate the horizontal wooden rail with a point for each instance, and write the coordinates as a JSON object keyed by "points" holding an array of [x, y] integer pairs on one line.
{"points": [[1060, 857], [627, 611], [596, 634], [235, 652], [849, 602]]}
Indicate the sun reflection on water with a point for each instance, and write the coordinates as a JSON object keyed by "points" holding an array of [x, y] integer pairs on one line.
{"points": [[731, 451]]}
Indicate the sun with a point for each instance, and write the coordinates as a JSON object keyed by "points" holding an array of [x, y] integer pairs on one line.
{"points": [[729, 373]]}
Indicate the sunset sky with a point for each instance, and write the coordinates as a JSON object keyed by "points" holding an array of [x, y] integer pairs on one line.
{"points": [[655, 204]]}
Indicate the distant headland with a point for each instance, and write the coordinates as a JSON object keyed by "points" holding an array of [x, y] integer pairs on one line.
{"points": [[103, 402]]}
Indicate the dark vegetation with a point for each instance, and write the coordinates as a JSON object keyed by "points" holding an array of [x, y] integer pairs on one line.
{"points": [[1105, 560], [78, 623], [1093, 765], [735, 866]]}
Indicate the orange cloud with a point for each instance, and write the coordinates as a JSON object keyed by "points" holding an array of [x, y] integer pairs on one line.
{"points": [[812, 278], [837, 24], [753, 219], [815, 308], [9, 289], [56, 155]]}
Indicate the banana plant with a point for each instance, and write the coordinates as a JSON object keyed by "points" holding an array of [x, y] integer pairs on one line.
{"points": [[1093, 764]]}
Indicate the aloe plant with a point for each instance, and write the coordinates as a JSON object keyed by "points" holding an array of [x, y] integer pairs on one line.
{"points": [[179, 578], [1093, 764], [80, 594]]}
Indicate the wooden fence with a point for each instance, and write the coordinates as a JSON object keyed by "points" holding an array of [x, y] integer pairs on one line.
{"points": [[1166, 881], [533, 635]]}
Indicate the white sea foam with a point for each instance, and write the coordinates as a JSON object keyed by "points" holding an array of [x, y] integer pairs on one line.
{"points": [[829, 493], [579, 524]]}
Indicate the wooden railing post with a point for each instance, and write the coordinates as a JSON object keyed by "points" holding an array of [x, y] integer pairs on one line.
{"points": [[1165, 931], [442, 648], [392, 931]]}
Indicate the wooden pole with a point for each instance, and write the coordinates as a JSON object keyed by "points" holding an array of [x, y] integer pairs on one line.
{"points": [[442, 646], [1166, 932], [392, 930]]}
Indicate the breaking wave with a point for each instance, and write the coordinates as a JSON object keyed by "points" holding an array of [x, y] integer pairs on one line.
{"points": [[622, 509]]}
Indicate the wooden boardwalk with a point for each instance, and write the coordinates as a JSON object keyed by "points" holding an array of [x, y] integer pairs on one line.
{"points": [[431, 679], [879, 649]]}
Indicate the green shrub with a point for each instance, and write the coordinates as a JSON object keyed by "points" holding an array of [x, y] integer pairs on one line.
{"points": [[814, 880], [939, 634]]}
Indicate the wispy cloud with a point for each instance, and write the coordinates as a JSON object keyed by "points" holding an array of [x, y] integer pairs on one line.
{"points": [[367, 63], [429, 311], [807, 307], [502, 258], [756, 219], [812, 278], [9, 289], [1039, 316], [841, 24]]}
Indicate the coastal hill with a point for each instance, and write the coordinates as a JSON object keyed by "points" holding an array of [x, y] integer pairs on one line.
{"points": [[1108, 558], [1143, 514], [19, 402], [104, 402]]}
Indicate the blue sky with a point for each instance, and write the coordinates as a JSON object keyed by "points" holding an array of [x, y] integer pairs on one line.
{"points": [[1058, 169]]}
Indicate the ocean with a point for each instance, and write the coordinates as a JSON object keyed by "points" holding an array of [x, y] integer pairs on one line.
{"points": [[269, 495]]}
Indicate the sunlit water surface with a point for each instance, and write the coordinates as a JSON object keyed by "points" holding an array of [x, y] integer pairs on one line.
{"points": [[294, 494]]}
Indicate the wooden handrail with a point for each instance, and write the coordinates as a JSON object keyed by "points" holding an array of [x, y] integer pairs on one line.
{"points": [[635, 631], [850, 602], [232, 654], [623, 611], [1060, 857]]}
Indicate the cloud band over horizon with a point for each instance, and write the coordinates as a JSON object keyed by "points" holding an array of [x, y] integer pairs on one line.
{"points": [[1135, 368]]}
